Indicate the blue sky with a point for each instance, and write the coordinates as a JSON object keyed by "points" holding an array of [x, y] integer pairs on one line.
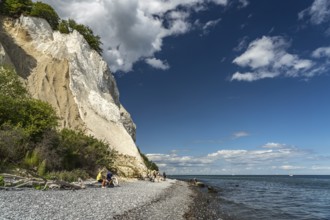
{"points": [[220, 86]]}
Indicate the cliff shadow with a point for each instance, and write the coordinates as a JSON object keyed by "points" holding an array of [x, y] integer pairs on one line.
{"points": [[23, 62]]}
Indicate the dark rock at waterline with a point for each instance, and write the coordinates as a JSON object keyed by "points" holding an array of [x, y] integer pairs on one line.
{"points": [[200, 184], [212, 189]]}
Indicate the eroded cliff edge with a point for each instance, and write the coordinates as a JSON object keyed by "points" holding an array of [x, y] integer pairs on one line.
{"points": [[63, 70]]}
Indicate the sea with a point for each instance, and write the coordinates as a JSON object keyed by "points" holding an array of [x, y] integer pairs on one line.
{"points": [[278, 197]]}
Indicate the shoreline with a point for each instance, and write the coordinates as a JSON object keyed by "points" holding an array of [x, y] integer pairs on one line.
{"points": [[205, 203], [168, 199]]}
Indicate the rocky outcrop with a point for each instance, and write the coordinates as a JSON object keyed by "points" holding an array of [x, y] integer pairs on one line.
{"points": [[64, 71]]}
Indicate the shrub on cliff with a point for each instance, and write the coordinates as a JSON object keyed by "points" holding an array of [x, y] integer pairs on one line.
{"points": [[16, 109], [68, 26], [10, 84], [34, 116], [46, 12], [14, 8], [149, 164], [28, 135], [86, 152], [14, 143], [70, 150]]}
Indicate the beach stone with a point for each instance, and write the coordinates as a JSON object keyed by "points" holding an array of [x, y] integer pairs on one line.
{"points": [[168, 199]]}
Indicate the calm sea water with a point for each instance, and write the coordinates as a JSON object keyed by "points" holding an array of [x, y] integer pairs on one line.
{"points": [[270, 197]]}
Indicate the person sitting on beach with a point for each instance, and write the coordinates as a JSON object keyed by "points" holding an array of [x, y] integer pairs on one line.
{"points": [[100, 178], [109, 177]]}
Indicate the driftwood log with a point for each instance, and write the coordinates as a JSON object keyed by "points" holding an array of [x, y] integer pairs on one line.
{"points": [[14, 181]]}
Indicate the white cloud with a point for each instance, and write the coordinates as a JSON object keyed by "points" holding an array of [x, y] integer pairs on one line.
{"points": [[321, 52], [211, 24], [318, 12], [250, 157], [158, 64], [242, 44], [173, 160], [244, 3], [228, 153], [132, 30], [207, 26], [260, 52], [267, 57], [320, 168], [289, 167], [240, 134], [271, 158], [219, 2], [271, 145]]}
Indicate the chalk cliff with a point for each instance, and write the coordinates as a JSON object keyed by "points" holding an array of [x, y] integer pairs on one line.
{"points": [[63, 70]]}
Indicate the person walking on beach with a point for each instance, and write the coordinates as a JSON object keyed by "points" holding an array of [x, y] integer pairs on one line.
{"points": [[164, 175]]}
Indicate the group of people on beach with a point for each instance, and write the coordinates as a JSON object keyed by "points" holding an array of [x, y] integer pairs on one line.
{"points": [[105, 177], [155, 176]]}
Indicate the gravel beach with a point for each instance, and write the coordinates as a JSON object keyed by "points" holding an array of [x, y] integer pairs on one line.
{"points": [[168, 199]]}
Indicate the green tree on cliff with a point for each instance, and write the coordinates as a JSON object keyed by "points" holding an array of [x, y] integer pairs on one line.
{"points": [[68, 26], [14, 8], [10, 84], [46, 12]]}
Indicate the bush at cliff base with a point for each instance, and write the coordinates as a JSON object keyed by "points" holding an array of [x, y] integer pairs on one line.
{"points": [[29, 137]]}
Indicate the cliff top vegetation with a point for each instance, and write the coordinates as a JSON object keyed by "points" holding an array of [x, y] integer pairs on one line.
{"points": [[16, 8]]}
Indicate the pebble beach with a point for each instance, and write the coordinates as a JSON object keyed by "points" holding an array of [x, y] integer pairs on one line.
{"points": [[170, 199]]}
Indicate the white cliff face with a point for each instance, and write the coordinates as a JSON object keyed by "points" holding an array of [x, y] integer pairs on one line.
{"points": [[92, 85]]}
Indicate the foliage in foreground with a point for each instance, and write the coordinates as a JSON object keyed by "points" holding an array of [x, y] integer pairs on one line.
{"points": [[29, 139], [69, 176], [2, 182]]}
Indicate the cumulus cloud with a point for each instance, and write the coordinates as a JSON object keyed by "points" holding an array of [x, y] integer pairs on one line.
{"points": [[273, 145], [227, 160], [243, 3], [249, 157], [321, 52], [179, 161], [132, 30], [267, 57], [318, 12], [158, 64]]}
